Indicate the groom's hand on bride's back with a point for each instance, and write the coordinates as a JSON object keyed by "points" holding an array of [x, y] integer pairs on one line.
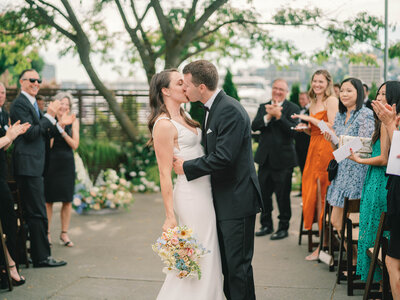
{"points": [[178, 166]]}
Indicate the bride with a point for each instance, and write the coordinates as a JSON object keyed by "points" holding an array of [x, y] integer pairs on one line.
{"points": [[174, 133]]}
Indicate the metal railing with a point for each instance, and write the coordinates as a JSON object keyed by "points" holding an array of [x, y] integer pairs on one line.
{"points": [[95, 117]]}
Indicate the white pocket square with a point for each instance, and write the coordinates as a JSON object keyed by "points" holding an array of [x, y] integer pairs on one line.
{"points": [[209, 131]]}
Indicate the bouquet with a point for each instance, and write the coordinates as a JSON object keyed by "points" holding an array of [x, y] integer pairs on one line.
{"points": [[180, 251]]}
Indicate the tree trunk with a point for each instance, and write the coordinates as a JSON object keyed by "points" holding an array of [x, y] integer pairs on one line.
{"points": [[119, 114]]}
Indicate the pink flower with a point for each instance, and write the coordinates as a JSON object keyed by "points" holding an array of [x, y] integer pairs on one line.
{"points": [[174, 240], [190, 251]]}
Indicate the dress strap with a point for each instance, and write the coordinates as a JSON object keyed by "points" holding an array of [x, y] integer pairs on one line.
{"points": [[160, 118]]}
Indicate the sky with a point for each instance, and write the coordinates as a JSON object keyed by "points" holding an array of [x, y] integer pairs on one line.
{"points": [[69, 69]]}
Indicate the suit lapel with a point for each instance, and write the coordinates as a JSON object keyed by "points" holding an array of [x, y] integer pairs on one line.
{"points": [[217, 100], [29, 104]]}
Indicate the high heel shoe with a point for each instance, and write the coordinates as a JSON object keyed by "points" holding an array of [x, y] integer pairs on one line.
{"points": [[21, 280], [64, 242]]}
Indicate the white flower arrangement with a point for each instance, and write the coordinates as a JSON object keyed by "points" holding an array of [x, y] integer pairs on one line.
{"points": [[110, 191]]}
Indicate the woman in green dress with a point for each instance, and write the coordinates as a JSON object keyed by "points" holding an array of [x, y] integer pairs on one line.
{"points": [[373, 197]]}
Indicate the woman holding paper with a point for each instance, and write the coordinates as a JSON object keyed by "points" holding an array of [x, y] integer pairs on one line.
{"points": [[324, 106], [353, 119], [390, 117], [373, 196]]}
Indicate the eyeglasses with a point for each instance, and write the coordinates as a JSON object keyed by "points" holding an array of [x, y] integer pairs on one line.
{"points": [[32, 80]]}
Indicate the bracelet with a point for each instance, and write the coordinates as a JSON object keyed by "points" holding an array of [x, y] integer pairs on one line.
{"points": [[60, 129]]}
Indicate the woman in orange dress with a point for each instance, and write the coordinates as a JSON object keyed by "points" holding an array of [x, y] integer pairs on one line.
{"points": [[324, 106]]}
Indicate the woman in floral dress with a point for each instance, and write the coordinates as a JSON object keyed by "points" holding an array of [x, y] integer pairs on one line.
{"points": [[353, 119]]}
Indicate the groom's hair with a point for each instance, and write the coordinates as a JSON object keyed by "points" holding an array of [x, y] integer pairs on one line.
{"points": [[203, 72]]}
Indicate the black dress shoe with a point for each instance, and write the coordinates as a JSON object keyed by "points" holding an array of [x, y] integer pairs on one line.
{"points": [[280, 234], [264, 231], [49, 262]]}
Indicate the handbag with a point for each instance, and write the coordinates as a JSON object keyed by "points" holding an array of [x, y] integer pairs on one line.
{"points": [[365, 151], [333, 164], [332, 169]]}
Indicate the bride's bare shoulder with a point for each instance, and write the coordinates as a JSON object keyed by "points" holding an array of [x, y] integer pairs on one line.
{"points": [[163, 127]]}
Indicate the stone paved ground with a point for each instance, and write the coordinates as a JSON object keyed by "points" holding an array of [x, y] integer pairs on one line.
{"points": [[112, 259]]}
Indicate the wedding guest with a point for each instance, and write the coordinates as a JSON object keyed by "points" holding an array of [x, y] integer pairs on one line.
{"points": [[336, 88], [353, 119], [59, 180], [7, 215], [276, 157], [40, 102], [302, 140], [374, 194], [367, 102], [29, 162], [324, 106], [390, 117]]}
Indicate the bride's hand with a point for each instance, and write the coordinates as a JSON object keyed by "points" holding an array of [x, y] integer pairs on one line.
{"points": [[170, 222]]}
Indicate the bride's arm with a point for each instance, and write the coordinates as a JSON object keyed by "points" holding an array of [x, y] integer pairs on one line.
{"points": [[164, 136]]}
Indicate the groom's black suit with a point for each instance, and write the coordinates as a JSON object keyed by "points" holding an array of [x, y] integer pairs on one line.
{"points": [[235, 188]]}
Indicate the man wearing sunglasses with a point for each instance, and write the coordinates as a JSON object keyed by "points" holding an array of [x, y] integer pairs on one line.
{"points": [[29, 164]]}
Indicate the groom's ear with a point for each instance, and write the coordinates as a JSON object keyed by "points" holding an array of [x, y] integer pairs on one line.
{"points": [[202, 87]]}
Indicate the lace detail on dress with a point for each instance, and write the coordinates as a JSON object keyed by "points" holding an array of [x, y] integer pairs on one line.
{"points": [[373, 203], [350, 177]]}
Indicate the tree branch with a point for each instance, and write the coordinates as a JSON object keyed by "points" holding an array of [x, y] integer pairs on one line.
{"points": [[191, 29], [192, 11], [197, 51], [49, 20], [55, 8], [5, 32], [243, 21], [139, 27], [165, 26]]}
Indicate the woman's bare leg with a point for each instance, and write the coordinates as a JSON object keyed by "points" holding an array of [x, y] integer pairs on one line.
{"points": [[393, 267], [65, 220]]}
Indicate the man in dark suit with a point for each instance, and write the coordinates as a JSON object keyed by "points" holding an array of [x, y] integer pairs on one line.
{"points": [[29, 164], [302, 139], [229, 160], [367, 101], [276, 157]]}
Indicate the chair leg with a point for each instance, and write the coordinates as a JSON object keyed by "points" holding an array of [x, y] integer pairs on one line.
{"points": [[340, 259], [301, 228], [374, 259], [310, 241], [349, 255]]}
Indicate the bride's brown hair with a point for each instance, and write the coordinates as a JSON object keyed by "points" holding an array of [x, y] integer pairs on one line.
{"points": [[157, 106]]}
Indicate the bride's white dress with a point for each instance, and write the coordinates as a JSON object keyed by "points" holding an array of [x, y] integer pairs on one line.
{"points": [[193, 205]]}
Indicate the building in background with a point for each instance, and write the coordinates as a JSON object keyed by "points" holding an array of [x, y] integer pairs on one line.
{"points": [[367, 74]]}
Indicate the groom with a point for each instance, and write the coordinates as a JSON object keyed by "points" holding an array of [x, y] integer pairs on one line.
{"points": [[229, 160]]}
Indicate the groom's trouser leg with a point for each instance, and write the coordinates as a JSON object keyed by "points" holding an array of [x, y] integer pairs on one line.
{"points": [[236, 240], [265, 177]]}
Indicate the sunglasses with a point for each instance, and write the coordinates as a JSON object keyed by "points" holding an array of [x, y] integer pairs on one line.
{"points": [[32, 80]]}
